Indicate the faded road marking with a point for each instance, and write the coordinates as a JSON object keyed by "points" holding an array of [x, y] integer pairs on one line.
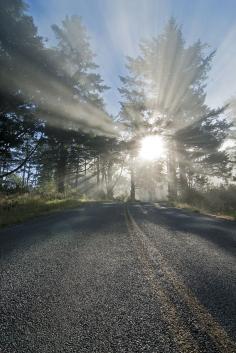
{"points": [[207, 323], [179, 331]]}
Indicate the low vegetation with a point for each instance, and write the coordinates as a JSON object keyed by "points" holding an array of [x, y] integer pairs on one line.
{"points": [[220, 201], [58, 135], [18, 208]]}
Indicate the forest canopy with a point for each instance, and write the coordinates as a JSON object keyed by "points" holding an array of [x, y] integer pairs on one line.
{"points": [[56, 133]]}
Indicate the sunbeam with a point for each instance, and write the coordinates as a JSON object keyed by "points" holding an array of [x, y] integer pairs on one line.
{"points": [[152, 148], [123, 112]]}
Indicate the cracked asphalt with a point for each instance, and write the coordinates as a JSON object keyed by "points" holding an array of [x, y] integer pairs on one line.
{"points": [[115, 278]]}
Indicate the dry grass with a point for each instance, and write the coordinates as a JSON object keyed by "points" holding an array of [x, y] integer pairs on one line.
{"points": [[230, 215], [16, 209]]}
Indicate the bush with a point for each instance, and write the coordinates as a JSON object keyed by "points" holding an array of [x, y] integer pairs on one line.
{"points": [[216, 199], [21, 207]]}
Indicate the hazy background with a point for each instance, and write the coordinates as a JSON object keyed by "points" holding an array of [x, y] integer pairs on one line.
{"points": [[116, 27]]}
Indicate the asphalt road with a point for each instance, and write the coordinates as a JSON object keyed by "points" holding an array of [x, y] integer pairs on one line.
{"points": [[111, 278]]}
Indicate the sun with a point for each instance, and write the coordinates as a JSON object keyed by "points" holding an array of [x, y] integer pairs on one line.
{"points": [[152, 148]]}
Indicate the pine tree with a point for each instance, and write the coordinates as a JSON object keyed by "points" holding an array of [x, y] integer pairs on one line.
{"points": [[81, 93], [166, 85], [19, 45]]}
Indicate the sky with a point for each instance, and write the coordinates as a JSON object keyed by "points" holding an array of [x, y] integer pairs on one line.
{"points": [[116, 27]]}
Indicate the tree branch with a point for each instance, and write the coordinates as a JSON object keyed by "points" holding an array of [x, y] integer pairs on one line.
{"points": [[22, 163]]}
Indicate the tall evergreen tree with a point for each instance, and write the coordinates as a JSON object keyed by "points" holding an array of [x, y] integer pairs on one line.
{"points": [[19, 45], [80, 96], [172, 77]]}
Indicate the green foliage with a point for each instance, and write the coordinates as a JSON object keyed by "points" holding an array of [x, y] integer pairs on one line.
{"points": [[12, 184], [19, 47], [50, 95], [164, 93], [16, 209], [51, 106], [219, 200], [75, 69]]}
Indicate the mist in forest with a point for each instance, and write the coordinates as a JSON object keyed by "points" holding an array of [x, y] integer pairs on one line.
{"points": [[131, 106]]}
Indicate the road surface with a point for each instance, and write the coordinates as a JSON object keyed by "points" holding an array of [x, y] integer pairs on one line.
{"points": [[115, 278]]}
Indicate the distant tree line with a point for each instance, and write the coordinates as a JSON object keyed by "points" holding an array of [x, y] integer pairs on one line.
{"points": [[53, 123], [54, 128], [164, 93]]}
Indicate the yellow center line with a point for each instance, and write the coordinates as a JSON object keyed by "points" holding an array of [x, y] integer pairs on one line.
{"points": [[179, 331], [213, 329]]}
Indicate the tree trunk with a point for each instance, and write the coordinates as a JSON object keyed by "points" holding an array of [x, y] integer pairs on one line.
{"points": [[132, 177], [110, 193], [132, 185], [183, 182], [77, 175], [98, 170], [172, 179], [28, 174], [25, 168], [23, 176], [61, 168]]}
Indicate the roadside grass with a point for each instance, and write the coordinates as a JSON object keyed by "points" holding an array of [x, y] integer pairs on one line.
{"points": [[16, 209], [230, 215]]}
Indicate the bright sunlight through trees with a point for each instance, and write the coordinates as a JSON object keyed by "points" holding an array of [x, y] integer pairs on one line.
{"points": [[152, 148]]}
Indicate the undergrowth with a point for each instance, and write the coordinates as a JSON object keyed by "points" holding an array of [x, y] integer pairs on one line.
{"points": [[18, 208]]}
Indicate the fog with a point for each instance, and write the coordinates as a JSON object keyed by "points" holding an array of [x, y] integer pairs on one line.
{"points": [[133, 69]]}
